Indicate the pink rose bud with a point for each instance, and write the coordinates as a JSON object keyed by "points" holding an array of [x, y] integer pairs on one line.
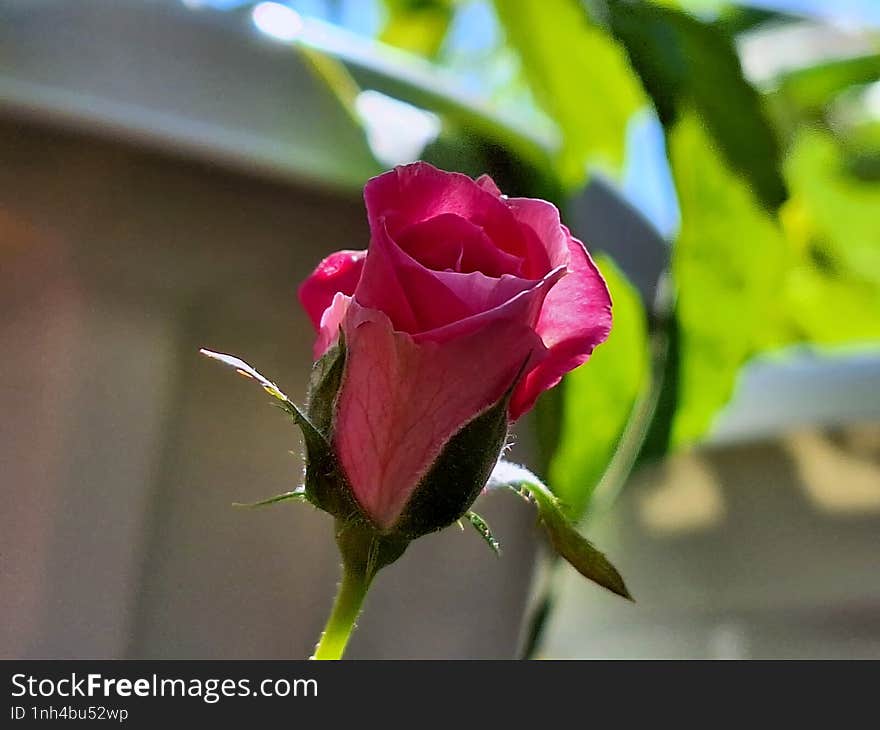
{"points": [[464, 309]]}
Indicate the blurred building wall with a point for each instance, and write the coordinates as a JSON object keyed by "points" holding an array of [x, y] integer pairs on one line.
{"points": [[122, 450], [762, 549]]}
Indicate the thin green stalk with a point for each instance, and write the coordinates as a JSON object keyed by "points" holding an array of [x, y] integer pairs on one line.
{"points": [[541, 606], [626, 456], [346, 609]]}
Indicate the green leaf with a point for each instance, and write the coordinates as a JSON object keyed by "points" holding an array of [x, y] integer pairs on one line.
{"points": [[806, 92], [482, 528], [599, 397], [297, 494], [547, 425], [566, 540], [728, 262], [666, 365], [842, 210], [417, 26], [832, 310], [687, 64], [832, 293], [579, 75]]}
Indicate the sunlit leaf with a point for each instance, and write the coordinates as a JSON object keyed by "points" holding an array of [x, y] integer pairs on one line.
{"points": [[862, 144], [418, 26], [579, 75], [832, 293], [566, 540], [843, 211], [599, 397], [832, 310], [807, 91], [728, 264], [745, 286], [686, 64]]}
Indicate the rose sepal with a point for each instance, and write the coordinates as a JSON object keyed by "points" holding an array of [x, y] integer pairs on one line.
{"points": [[567, 542], [460, 473], [324, 483], [364, 547]]}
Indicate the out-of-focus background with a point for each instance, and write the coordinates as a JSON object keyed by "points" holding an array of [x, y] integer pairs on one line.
{"points": [[170, 170]]}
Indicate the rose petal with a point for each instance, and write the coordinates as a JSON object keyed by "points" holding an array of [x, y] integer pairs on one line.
{"points": [[488, 184], [339, 272], [437, 243], [380, 286], [402, 401], [331, 320], [448, 241], [412, 296], [484, 293], [547, 238], [524, 306], [576, 317], [412, 193]]}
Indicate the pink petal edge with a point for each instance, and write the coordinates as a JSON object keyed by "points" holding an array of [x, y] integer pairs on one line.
{"points": [[338, 272], [576, 317]]}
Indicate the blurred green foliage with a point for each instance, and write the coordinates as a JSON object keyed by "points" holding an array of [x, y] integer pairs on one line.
{"points": [[567, 61], [832, 290], [803, 94], [600, 396], [418, 26], [842, 212], [728, 261], [689, 64]]}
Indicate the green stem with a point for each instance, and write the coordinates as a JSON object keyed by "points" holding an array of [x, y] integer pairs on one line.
{"points": [[346, 609], [541, 605], [631, 447]]}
